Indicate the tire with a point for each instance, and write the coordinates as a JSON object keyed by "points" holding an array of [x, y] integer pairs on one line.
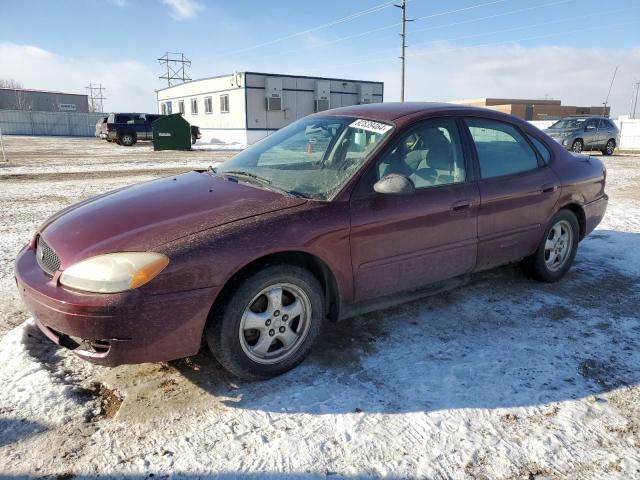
{"points": [[609, 148], [540, 265], [577, 146], [240, 349], [127, 139]]}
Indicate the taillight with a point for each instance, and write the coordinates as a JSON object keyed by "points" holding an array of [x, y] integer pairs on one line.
{"points": [[108, 128]]}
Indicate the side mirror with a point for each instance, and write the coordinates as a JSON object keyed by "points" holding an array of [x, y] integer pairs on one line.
{"points": [[589, 127], [394, 183]]}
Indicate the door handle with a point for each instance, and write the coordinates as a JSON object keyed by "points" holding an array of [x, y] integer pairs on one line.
{"points": [[461, 206], [548, 188]]}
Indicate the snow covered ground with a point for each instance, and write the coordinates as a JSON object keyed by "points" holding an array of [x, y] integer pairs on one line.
{"points": [[504, 378]]}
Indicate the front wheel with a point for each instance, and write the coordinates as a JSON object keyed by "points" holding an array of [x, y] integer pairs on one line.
{"points": [[577, 146], [558, 248], [268, 324]]}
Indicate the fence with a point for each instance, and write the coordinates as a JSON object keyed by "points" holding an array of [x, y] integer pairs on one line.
{"points": [[629, 131], [22, 122]]}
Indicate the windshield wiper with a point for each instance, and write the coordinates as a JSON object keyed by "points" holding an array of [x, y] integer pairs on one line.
{"points": [[258, 180]]}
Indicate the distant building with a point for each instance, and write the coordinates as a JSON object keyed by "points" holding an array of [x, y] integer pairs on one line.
{"points": [[42, 101], [528, 109], [244, 107]]}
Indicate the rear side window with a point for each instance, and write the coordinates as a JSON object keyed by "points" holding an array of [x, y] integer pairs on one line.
{"points": [[543, 150], [501, 148], [123, 118]]}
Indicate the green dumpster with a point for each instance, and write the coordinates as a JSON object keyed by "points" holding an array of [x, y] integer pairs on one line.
{"points": [[171, 132]]}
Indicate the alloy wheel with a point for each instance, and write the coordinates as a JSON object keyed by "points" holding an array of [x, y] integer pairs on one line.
{"points": [[557, 247], [577, 146], [275, 323], [611, 146]]}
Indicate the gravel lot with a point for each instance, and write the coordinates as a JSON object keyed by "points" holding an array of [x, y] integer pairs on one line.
{"points": [[505, 378]]}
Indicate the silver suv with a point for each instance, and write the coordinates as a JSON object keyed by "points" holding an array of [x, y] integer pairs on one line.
{"points": [[585, 133]]}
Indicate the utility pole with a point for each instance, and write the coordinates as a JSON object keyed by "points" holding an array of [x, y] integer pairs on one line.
{"points": [[606, 100], [403, 45], [96, 97], [176, 64], [634, 99]]}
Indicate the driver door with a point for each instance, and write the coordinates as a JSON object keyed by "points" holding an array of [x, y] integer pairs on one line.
{"points": [[406, 241]]}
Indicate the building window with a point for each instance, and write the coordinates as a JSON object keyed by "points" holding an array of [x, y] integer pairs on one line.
{"points": [[181, 107], [164, 108], [224, 103], [208, 105], [194, 106]]}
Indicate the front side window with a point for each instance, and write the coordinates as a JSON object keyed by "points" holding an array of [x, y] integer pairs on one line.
{"points": [[224, 103], [194, 106], [208, 105], [312, 157], [501, 148], [429, 155]]}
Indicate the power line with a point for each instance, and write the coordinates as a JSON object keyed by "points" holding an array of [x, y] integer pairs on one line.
{"points": [[434, 27], [348, 18], [480, 45]]}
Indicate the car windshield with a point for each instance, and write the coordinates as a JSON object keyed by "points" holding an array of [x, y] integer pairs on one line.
{"points": [[569, 123], [311, 158]]}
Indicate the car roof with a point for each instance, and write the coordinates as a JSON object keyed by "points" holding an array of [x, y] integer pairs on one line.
{"points": [[391, 111]]}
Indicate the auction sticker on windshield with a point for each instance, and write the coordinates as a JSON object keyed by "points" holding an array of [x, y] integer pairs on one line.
{"points": [[371, 126]]}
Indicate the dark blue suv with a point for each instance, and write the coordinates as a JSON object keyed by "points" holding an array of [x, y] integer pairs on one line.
{"points": [[127, 128]]}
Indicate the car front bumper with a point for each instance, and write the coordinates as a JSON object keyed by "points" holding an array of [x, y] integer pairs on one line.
{"points": [[114, 329]]}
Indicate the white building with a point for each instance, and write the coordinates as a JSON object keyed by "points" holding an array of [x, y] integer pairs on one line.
{"points": [[244, 107]]}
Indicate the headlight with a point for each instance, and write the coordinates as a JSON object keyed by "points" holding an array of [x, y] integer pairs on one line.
{"points": [[114, 272]]}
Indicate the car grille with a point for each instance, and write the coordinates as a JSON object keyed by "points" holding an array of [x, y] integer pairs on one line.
{"points": [[46, 257]]}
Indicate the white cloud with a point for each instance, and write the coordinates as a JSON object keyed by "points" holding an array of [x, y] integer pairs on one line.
{"points": [[576, 76], [183, 9], [129, 84]]}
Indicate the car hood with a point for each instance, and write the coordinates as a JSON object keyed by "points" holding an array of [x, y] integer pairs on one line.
{"points": [[146, 215]]}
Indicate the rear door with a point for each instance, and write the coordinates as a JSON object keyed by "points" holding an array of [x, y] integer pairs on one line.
{"points": [[518, 192], [404, 242]]}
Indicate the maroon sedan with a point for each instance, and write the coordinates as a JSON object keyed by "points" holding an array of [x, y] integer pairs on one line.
{"points": [[337, 214]]}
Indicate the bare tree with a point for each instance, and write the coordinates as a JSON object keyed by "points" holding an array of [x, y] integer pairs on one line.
{"points": [[10, 83]]}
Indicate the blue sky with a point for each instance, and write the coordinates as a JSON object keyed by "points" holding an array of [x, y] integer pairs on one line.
{"points": [[486, 48]]}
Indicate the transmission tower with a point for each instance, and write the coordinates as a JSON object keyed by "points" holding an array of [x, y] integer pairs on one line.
{"points": [[96, 97], [176, 64]]}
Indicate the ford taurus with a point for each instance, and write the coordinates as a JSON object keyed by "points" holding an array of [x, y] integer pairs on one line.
{"points": [[337, 214]]}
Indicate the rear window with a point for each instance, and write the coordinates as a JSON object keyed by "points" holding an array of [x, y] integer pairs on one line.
{"points": [[543, 150]]}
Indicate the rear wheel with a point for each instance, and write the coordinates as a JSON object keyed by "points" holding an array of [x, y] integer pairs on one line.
{"points": [[558, 248], [268, 324], [127, 139], [577, 146], [609, 147]]}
